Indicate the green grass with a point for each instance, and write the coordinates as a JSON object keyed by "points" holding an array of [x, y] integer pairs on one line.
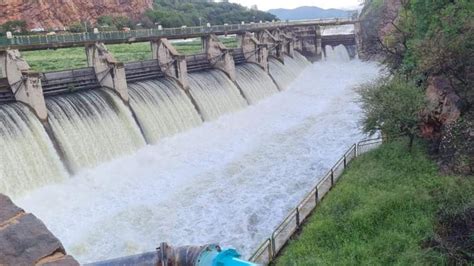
{"points": [[381, 212], [69, 58]]}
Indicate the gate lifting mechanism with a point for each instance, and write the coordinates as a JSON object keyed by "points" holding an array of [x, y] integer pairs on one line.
{"points": [[209, 255]]}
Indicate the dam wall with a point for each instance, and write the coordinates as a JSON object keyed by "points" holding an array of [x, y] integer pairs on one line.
{"points": [[192, 88]]}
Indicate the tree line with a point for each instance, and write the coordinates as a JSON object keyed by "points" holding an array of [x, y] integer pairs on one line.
{"points": [[167, 13], [430, 45]]}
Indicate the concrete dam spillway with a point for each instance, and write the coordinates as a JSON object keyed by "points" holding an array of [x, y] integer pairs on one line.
{"points": [[134, 154], [95, 126]]}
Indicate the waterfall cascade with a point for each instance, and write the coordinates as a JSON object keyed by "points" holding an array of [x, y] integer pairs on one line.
{"points": [[336, 54], [215, 94], [92, 127], [27, 158], [284, 74], [162, 108], [254, 82]]}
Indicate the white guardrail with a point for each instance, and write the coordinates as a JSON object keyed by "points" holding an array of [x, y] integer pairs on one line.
{"points": [[270, 248]]}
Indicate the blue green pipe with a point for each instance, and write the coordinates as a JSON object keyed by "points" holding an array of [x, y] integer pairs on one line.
{"points": [[209, 255]]}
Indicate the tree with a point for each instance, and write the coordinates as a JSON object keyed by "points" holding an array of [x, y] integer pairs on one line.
{"points": [[15, 26], [175, 13], [115, 22], [77, 27], [392, 106]]}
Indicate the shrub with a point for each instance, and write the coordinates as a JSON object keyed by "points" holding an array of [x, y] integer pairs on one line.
{"points": [[77, 27], [392, 106]]}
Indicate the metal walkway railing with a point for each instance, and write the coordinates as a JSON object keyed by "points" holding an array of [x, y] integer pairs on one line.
{"points": [[270, 248], [68, 40]]}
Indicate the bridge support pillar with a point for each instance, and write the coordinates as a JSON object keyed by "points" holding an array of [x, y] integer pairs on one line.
{"points": [[288, 43], [172, 63], [254, 51], [358, 40], [109, 72], [319, 43], [275, 46], [219, 56], [25, 84]]}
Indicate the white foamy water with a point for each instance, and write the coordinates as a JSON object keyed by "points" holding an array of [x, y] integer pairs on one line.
{"points": [[230, 181], [92, 127], [162, 108], [254, 82], [215, 94], [285, 74], [336, 54], [27, 157]]}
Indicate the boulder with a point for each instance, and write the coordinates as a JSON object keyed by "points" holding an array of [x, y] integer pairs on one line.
{"points": [[25, 240], [444, 107]]}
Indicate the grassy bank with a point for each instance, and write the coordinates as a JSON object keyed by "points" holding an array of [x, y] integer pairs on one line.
{"points": [[391, 207], [69, 58]]}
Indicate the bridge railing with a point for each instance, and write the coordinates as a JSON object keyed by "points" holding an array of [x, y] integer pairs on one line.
{"points": [[270, 248], [29, 40]]}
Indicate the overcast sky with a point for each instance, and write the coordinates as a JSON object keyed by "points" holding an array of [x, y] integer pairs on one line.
{"points": [[270, 4]]}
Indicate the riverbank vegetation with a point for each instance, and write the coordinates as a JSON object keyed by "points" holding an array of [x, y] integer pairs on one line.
{"points": [[428, 46], [390, 207]]}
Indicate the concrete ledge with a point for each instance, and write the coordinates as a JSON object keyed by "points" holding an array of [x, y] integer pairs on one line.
{"points": [[25, 240]]}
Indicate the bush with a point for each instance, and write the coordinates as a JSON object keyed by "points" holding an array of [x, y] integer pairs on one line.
{"points": [[393, 107], [15, 26], [77, 27]]}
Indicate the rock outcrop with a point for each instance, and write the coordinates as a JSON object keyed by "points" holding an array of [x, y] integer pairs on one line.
{"points": [[444, 107], [378, 22], [25, 240], [57, 14]]}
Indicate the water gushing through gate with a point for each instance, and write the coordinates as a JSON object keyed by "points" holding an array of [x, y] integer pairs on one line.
{"points": [[254, 82], [215, 94], [27, 156], [92, 127], [162, 108], [336, 54], [285, 73]]}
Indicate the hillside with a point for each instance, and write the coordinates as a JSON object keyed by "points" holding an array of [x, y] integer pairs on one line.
{"points": [[174, 13], [60, 14], [309, 12], [20, 16]]}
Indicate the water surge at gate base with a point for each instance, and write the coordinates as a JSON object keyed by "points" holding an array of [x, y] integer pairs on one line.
{"points": [[27, 156], [92, 127], [254, 82], [230, 181], [215, 94], [162, 108], [285, 73]]}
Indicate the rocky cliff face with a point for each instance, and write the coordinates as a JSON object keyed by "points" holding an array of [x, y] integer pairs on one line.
{"points": [[58, 14], [377, 23]]}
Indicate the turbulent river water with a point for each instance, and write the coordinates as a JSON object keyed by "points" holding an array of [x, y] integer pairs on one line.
{"points": [[229, 181]]}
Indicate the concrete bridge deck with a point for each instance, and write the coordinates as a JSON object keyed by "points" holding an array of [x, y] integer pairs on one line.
{"points": [[39, 42]]}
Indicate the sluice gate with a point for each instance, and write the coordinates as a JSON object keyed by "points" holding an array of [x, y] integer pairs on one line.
{"points": [[143, 70], [67, 81]]}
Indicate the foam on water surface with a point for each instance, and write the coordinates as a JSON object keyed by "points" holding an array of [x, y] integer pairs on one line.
{"points": [[27, 156], [230, 181], [92, 127], [162, 108]]}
